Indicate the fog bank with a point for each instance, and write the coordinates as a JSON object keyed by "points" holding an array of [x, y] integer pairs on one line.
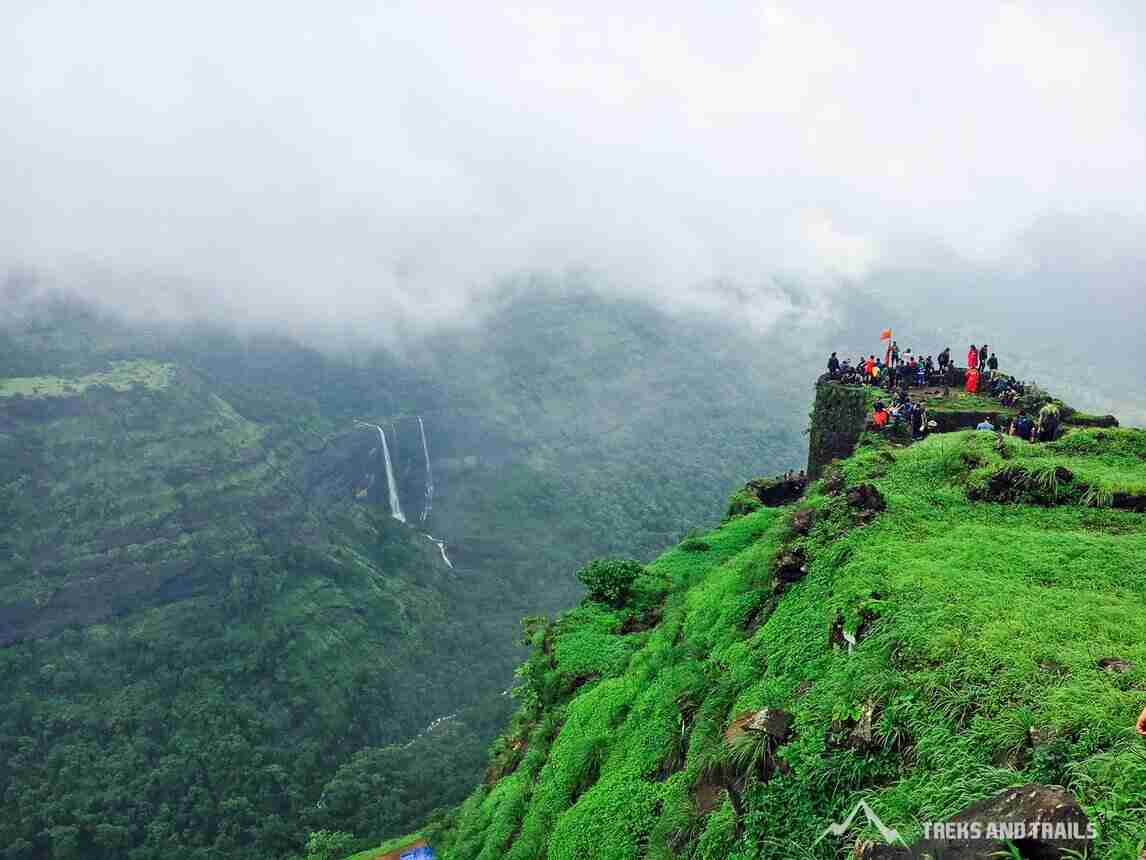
{"points": [[373, 168]]}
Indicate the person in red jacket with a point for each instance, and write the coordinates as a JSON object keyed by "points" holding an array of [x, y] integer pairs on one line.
{"points": [[973, 357]]}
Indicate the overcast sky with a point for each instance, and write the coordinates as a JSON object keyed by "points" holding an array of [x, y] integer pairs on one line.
{"points": [[362, 163]]}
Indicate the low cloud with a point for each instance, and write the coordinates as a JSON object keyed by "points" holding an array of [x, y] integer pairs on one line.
{"points": [[381, 167]]}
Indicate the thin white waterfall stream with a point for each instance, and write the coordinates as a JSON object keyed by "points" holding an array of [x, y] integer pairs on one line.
{"points": [[429, 473], [395, 502], [441, 544], [437, 722]]}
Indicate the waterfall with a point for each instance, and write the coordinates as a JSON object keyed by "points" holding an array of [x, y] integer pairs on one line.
{"points": [[437, 722], [429, 473], [395, 502], [441, 544]]}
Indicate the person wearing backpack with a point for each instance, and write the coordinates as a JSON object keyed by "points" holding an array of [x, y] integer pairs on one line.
{"points": [[1021, 426], [1046, 429], [918, 420]]}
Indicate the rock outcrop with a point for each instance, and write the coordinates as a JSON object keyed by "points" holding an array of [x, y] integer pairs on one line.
{"points": [[838, 418], [1043, 822]]}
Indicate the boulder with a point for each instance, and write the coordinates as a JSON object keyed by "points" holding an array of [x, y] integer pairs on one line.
{"points": [[1115, 664], [1130, 502], [776, 492], [774, 726], [791, 565], [835, 482], [866, 499], [1014, 483], [774, 722], [803, 520]]}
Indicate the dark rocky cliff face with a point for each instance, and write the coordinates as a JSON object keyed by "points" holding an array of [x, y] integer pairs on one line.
{"points": [[840, 414], [838, 418]]}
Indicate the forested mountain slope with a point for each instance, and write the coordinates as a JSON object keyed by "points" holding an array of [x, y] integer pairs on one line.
{"points": [[211, 624], [930, 625]]}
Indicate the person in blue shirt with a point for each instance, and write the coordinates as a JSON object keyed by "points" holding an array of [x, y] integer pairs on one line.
{"points": [[1022, 426], [985, 424]]}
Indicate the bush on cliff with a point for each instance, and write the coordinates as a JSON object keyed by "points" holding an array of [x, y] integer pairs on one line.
{"points": [[608, 580]]}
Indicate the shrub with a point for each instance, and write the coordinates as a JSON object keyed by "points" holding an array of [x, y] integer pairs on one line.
{"points": [[608, 579], [742, 503], [695, 544], [327, 845]]}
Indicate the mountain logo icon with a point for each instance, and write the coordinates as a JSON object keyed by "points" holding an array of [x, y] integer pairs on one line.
{"points": [[889, 835]]}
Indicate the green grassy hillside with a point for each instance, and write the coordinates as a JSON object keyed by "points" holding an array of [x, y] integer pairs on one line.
{"points": [[996, 606]]}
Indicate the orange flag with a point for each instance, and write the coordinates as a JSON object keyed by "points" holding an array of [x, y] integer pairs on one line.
{"points": [[886, 334]]}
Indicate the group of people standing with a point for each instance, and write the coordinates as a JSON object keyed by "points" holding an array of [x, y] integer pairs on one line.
{"points": [[1043, 427], [982, 359], [904, 409], [898, 371], [904, 369], [981, 376], [980, 362]]}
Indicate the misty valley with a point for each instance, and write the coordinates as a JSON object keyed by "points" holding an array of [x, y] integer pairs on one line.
{"points": [[240, 575]]}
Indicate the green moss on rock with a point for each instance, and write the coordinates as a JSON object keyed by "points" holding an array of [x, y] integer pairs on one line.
{"points": [[838, 418]]}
